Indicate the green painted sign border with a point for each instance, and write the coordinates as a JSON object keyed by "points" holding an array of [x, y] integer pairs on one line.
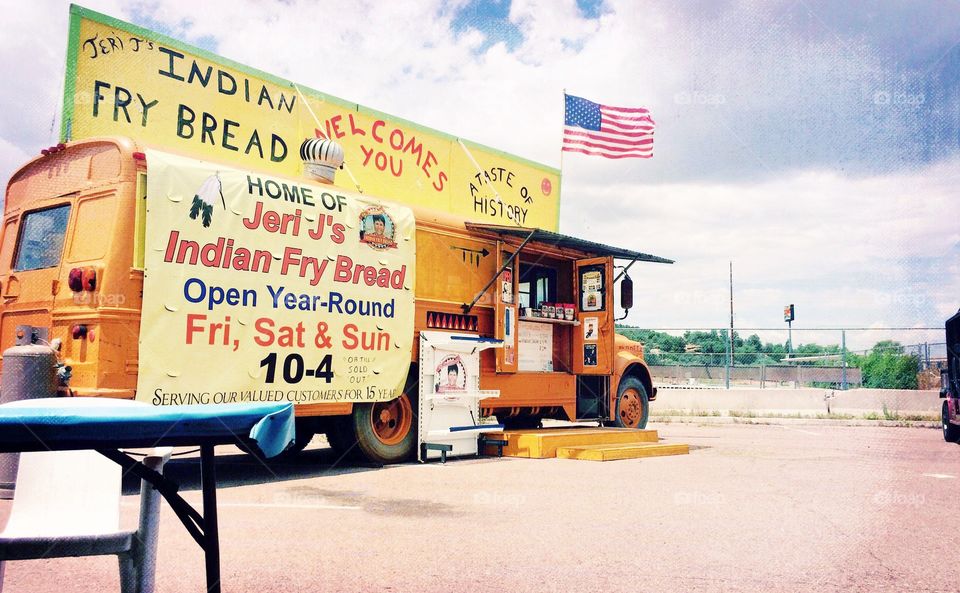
{"points": [[73, 45]]}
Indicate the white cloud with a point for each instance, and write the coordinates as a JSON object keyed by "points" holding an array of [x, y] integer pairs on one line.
{"points": [[764, 114], [847, 252]]}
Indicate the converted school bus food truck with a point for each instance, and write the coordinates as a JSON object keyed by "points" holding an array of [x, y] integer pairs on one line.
{"points": [[77, 240]]}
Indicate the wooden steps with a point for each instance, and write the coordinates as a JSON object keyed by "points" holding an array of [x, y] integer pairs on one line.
{"points": [[627, 451], [582, 443]]}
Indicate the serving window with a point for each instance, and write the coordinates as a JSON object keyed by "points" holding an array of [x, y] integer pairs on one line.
{"points": [[544, 280], [538, 284]]}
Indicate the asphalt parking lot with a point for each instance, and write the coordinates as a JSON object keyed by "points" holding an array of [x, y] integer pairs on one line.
{"points": [[752, 508]]}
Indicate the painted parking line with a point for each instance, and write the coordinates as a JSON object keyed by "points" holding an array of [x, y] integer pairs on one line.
{"points": [[800, 430], [940, 476], [270, 505]]}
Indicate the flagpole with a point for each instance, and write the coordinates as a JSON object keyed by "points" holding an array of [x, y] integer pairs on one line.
{"points": [[561, 135], [560, 179]]}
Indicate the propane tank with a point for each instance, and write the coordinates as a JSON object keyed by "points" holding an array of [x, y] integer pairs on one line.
{"points": [[29, 372]]}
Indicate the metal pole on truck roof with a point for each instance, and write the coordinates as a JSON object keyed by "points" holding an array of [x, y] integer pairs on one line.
{"points": [[466, 308], [624, 271], [482, 175]]}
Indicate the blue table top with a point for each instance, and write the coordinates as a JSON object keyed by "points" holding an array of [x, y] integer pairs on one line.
{"points": [[99, 423]]}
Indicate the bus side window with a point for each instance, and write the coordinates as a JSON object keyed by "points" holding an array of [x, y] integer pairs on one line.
{"points": [[41, 239]]}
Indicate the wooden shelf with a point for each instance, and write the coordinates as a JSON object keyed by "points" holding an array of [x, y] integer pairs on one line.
{"points": [[550, 320], [462, 397]]}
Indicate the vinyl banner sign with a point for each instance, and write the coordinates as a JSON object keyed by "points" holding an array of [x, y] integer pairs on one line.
{"points": [[259, 288], [123, 80]]}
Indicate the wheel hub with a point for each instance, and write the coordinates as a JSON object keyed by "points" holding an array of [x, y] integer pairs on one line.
{"points": [[391, 421], [631, 409]]}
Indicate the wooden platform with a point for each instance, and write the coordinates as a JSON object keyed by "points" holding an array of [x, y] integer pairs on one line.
{"points": [[627, 451], [582, 443]]}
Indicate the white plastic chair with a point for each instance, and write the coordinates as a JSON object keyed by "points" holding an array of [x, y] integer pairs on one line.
{"points": [[67, 503]]}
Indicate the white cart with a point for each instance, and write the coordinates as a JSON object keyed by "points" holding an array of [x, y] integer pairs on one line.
{"points": [[449, 398]]}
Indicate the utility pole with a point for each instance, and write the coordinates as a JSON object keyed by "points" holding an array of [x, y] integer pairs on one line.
{"points": [[727, 344], [789, 315], [731, 310], [843, 359], [790, 338]]}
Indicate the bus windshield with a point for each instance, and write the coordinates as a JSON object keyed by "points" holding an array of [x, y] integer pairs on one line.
{"points": [[41, 239]]}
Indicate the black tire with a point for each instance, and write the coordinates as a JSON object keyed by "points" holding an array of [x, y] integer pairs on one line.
{"points": [[630, 394], [951, 432], [304, 434], [250, 447], [342, 438], [374, 447]]}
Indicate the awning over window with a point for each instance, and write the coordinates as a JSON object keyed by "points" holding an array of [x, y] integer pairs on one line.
{"points": [[567, 242]]}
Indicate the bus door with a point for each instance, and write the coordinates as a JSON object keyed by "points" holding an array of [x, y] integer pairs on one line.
{"points": [[506, 301], [594, 337]]}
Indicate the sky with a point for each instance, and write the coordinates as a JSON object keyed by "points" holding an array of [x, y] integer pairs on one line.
{"points": [[814, 144]]}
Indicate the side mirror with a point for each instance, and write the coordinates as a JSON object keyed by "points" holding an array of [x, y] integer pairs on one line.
{"points": [[626, 293]]}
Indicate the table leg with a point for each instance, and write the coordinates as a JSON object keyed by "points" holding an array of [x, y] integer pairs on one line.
{"points": [[211, 536]]}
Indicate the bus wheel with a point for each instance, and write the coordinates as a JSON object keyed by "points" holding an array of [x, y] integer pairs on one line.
{"points": [[304, 434], [951, 432], [633, 407], [342, 438], [386, 431]]}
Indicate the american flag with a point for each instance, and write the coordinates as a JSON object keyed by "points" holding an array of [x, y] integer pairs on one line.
{"points": [[611, 132]]}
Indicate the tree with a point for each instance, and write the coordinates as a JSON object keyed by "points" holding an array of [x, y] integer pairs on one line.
{"points": [[886, 368]]}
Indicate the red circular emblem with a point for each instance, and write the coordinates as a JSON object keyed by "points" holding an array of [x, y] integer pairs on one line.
{"points": [[546, 187]]}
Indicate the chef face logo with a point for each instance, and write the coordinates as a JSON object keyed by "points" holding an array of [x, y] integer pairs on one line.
{"points": [[377, 228], [450, 375]]}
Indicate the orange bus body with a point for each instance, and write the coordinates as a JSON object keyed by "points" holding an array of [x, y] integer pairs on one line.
{"points": [[94, 185]]}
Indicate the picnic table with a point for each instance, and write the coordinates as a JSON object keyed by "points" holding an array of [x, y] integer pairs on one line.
{"points": [[109, 426]]}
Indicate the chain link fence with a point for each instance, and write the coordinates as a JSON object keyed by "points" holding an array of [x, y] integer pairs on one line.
{"points": [[765, 358]]}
